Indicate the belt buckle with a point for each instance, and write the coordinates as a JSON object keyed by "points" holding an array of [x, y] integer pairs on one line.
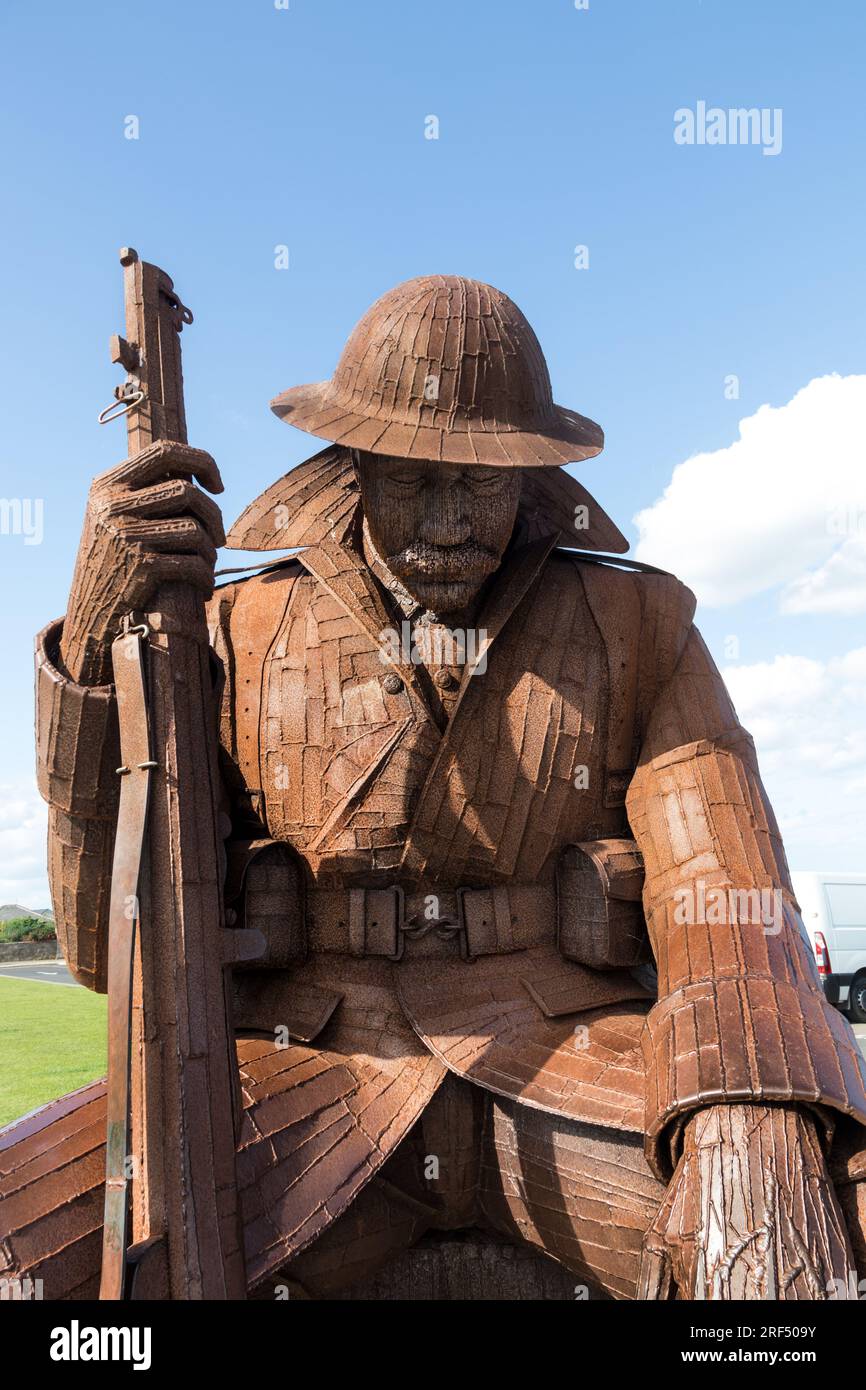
{"points": [[443, 927]]}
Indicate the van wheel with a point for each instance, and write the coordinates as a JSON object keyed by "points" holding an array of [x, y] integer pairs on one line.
{"points": [[857, 999]]}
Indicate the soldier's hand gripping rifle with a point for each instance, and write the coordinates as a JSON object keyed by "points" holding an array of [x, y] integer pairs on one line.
{"points": [[173, 1097]]}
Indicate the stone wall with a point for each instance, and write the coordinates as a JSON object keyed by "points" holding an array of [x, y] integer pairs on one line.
{"points": [[28, 950]]}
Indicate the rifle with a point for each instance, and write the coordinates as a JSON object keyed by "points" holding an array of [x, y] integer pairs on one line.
{"points": [[173, 1091]]}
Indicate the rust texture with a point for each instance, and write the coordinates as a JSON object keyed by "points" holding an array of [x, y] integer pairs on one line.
{"points": [[496, 1023]]}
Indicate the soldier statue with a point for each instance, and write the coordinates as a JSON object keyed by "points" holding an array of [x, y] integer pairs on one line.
{"points": [[536, 1008]]}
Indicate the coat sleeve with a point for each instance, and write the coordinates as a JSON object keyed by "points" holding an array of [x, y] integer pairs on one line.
{"points": [[77, 756], [741, 1015]]}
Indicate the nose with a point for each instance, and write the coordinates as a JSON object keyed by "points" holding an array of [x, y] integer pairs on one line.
{"points": [[447, 513]]}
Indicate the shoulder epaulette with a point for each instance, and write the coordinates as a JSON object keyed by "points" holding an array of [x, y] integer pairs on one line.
{"points": [[255, 571], [592, 557]]}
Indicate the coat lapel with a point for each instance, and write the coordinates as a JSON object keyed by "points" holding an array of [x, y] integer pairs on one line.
{"points": [[347, 577], [518, 574], [513, 580]]}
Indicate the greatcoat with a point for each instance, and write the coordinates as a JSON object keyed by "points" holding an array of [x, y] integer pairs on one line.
{"points": [[484, 888]]}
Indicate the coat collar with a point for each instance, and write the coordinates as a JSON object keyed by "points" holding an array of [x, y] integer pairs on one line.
{"points": [[340, 565]]}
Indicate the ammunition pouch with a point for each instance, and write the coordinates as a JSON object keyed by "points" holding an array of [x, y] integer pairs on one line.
{"points": [[600, 919], [265, 890]]}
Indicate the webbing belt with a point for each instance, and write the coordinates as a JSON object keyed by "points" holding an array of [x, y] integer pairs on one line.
{"points": [[379, 921]]}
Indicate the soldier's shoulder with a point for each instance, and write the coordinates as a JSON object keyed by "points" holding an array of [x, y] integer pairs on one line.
{"points": [[657, 589], [263, 587]]}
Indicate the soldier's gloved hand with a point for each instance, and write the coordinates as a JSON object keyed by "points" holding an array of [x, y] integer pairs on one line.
{"points": [[750, 1212], [146, 524]]}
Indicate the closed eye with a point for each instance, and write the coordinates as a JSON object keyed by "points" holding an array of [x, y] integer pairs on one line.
{"points": [[407, 482], [490, 482]]}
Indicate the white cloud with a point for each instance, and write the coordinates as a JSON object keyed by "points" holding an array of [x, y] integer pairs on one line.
{"points": [[23, 839], [808, 719], [784, 505], [838, 586]]}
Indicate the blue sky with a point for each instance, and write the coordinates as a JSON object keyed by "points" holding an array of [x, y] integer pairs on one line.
{"points": [[261, 126]]}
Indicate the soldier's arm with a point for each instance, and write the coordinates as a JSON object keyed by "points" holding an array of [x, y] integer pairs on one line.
{"points": [[146, 524], [747, 1064], [78, 753], [741, 1015]]}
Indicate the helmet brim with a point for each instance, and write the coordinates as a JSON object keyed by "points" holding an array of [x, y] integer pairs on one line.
{"points": [[566, 437]]}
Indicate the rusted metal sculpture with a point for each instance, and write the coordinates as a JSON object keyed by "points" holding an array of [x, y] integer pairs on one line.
{"points": [[535, 979]]}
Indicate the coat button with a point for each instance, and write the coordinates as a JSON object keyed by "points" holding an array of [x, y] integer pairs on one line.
{"points": [[445, 680], [393, 684]]}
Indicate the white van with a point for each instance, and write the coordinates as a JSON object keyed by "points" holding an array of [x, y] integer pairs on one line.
{"points": [[834, 914]]}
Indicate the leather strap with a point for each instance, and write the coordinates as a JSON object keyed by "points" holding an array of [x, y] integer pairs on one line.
{"points": [[355, 921], [136, 764]]}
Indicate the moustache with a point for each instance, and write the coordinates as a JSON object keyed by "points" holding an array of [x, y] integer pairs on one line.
{"points": [[455, 562]]}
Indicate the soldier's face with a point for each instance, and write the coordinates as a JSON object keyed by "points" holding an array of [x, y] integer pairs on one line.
{"points": [[442, 529]]}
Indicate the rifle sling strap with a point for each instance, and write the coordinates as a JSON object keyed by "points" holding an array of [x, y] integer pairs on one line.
{"points": [[127, 655]]}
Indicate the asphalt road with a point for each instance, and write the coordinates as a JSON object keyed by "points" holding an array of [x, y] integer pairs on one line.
{"points": [[45, 972], [51, 972]]}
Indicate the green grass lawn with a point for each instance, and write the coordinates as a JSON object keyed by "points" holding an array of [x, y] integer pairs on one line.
{"points": [[52, 1040]]}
